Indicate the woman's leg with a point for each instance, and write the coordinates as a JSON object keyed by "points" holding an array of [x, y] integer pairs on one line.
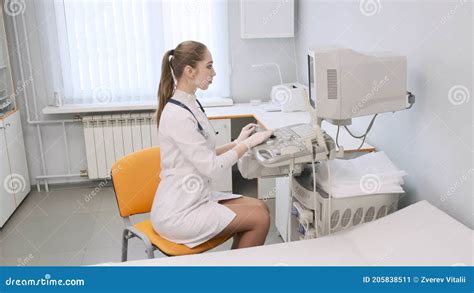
{"points": [[251, 223]]}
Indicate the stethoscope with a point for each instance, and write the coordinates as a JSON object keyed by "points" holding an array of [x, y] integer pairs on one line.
{"points": [[200, 128]]}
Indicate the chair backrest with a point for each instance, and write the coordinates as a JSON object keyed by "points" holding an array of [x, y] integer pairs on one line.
{"points": [[135, 178]]}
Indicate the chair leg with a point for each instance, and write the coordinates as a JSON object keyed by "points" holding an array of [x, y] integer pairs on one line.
{"points": [[125, 238], [149, 249], [150, 252]]}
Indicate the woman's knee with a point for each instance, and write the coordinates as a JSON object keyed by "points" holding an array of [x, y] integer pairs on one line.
{"points": [[264, 206], [264, 214], [253, 214], [260, 204], [266, 220], [259, 215]]}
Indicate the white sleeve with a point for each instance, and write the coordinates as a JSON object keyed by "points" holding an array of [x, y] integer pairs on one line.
{"points": [[192, 144]]}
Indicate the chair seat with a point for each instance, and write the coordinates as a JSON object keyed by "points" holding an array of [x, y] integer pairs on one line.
{"points": [[172, 248]]}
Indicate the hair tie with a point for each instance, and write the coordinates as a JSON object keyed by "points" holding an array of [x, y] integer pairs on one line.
{"points": [[172, 52]]}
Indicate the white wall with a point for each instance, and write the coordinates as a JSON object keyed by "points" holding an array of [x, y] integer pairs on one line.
{"points": [[246, 83], [433, 140], [55, 151], [255, 83]]}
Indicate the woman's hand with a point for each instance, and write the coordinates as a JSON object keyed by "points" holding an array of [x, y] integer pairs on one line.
{"points": [[257, 138], [246, 131], [251, 141]]}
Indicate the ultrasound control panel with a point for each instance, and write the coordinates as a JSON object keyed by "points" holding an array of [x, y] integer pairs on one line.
{"points": [[295, 142]]}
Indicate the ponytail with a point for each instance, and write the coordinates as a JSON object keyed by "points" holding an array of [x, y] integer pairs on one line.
{"points": [[186, 53], [166, 87]]}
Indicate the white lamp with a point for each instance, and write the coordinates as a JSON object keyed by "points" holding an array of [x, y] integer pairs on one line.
{"points": [[272, 107], [270, 64]]}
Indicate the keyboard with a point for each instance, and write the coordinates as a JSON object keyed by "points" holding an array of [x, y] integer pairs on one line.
{"points": [[304, 131]]}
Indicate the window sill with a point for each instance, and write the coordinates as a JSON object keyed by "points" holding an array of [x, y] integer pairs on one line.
{"points": [[96, 108], [124, 107]]}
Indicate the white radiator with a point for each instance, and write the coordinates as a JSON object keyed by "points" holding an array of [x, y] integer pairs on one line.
{"points": [[110, 137]]}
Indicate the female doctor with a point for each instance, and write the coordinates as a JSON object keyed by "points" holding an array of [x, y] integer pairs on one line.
{"points": [[185, 210]]}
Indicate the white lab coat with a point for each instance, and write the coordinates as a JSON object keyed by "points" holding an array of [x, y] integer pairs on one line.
{"points": [[185, 210]]}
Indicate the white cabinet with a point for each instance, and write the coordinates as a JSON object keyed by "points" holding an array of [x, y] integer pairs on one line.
{"points": [[266, 188], [223, 181], [7, 200], [282, 203], [7, 100], [14, 178], [267, 19]]}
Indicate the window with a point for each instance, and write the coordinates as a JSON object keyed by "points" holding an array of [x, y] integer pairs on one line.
{"points": [[111, 50]]}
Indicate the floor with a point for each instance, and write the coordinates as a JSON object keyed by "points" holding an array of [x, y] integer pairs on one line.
{"points": [[75, 226]]}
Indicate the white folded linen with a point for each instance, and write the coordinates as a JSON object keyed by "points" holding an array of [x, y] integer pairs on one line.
{"points": [[373, 173]]}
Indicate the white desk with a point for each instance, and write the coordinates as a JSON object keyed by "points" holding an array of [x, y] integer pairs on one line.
{"points": [[272, 120]]}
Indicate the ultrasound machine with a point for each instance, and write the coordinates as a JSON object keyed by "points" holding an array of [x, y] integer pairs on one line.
{"points": [[342, 84]]}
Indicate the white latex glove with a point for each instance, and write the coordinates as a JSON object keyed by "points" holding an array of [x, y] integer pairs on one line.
{"points": [[257, 138], [245, 132]]}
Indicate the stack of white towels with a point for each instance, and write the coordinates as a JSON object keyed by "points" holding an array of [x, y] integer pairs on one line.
{"points": [[372, 173]]}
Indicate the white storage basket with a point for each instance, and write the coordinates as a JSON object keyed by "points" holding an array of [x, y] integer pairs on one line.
{"points": [[344, 212]]}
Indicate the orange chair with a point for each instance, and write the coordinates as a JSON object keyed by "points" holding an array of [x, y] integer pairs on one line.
{"points": [[135, 179]]}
